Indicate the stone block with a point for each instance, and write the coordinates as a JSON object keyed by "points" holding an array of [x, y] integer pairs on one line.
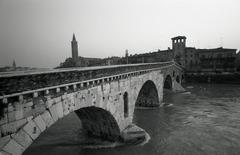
{"points": [[71, 104], [15, 115], [22, 138], [12, 127], [27, 111], [59, 108], [10, 107], [57, 99], [64, 96], [13, 148], [66, 109], [4, 153], [49, 103], [28, 104], [32, 129], [4, 141], [53, 112], [77, 102], [40, 123], [47, 118], [4, 119], [39, 109]]}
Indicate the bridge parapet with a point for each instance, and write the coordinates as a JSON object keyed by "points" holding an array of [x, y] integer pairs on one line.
{"points": [[68, 80]]}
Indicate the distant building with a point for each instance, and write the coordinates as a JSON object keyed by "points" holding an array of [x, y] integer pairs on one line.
{"points": [[216, 60], [238, 61], [191, 59]]}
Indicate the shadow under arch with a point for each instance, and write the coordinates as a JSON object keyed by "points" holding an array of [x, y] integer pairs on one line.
{"points": [[99, 123], [94, 125], [148, 95], [178, 79], [168, 82]]}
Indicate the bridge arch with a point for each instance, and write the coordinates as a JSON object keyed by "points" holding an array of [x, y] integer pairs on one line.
{"points": [[98, 122], [148, 95], [168, 82]]}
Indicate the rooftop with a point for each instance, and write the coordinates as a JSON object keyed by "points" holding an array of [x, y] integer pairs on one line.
{"points": [[179, 37]]}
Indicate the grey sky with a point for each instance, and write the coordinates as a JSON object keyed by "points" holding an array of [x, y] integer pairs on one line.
{"points": [[38, 32]]}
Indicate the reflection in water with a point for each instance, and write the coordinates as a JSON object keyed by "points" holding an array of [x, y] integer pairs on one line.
{"points": [[205, 122]]}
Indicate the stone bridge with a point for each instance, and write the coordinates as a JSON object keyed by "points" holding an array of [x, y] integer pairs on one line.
{"points": [[104, 98]]}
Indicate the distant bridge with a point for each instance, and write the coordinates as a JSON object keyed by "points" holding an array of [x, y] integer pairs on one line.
{"points": [[103, 97]]}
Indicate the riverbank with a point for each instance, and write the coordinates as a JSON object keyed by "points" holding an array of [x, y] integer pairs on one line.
{"points": [[213, 78]]}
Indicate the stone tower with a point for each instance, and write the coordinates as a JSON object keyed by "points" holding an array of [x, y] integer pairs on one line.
{"points": [[126, 56], [179, 46], [74, 49]]}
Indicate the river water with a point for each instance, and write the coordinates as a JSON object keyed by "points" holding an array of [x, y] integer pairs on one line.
{"points": [[205, 122]]}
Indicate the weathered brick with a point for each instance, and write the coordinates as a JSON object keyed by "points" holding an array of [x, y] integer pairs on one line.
{"points": [[22, 138], [40, 123], [13, 147], [32, 129], [47, 118]]}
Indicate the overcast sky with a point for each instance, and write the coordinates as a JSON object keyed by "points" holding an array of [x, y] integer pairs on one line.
{"points": [[38, 32]]}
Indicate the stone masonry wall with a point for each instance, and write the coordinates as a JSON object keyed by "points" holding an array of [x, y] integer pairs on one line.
{"points": [[25, 120]]}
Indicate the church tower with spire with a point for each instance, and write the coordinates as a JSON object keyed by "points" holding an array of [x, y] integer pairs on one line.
{"points": [[74, 49]]}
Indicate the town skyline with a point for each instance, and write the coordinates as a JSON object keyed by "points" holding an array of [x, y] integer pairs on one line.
{"points": [[36, 35]]}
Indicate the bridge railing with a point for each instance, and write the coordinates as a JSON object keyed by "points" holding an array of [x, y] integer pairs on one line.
{"points": [[57, 81]]}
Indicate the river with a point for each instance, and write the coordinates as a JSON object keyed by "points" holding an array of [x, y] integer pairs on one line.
{"points": [[205, 122]]}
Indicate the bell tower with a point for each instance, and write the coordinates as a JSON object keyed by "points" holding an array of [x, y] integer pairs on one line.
{"points": [[178, 47], [74, 49]]}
